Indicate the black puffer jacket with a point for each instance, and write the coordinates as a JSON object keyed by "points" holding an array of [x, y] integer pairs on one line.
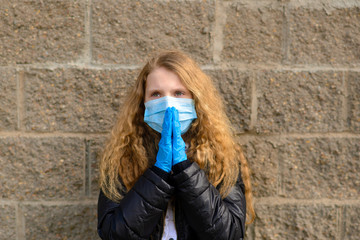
{"points": [[200, 213]]}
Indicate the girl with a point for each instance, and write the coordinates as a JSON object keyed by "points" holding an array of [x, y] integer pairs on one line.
{"points": [[172, 169]]}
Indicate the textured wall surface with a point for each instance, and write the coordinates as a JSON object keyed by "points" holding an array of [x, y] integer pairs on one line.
{"points": [[288, 71]]}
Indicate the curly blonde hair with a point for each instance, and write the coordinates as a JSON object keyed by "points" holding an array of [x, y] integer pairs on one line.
{"points": [[133, 145]]}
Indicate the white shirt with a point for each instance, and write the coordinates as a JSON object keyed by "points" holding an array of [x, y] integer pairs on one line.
{"points": [[169, 226]]}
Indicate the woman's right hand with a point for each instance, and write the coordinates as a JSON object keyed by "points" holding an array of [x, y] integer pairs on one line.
{"points": [[178, 144], [164, 155]]}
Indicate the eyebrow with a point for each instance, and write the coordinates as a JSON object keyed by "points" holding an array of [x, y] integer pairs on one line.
{"points": [[180, 89], [154, 90]]}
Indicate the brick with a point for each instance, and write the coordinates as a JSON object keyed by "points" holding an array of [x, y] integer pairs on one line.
{"points": [[34, 31], [295, 222], [95, 146], [262, 157], [354, 101], [299, 101], [322, 36], [320, 168], [41, 168], [8, 96], [235, 89], [249, 231], [252, 34], [352, 222], [7, 33], [128, 31], [8, 222], [70, 221], [75, 100]]}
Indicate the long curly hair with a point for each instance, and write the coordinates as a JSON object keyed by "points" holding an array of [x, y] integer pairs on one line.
{"points": [[133, 145]]}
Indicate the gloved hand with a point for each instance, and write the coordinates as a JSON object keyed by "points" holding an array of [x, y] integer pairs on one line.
{"points": [[164, 155], [178, 144]]}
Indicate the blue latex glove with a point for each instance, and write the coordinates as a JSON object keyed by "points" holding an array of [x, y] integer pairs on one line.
{"points": [[178, 144], [164, 155]]}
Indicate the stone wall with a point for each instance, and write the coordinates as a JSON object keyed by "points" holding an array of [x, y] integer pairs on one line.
{"points": [[288, 71]]}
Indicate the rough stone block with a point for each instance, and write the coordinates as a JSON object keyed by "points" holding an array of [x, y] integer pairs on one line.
{"points": [[75, 100], [95, 147], [324, 35], [295, 222], [41, 168], [354, 101], [252, 34], [8, 103], [262, 157], [70, 221], [300, 101], [235, 89], [37, 31], [320, 168], [352, 222], [8, 222], [127, 32], [249, 232]]}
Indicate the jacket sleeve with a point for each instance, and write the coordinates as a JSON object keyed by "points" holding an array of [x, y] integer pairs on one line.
{"points": [[210, 216], [139, 211]]}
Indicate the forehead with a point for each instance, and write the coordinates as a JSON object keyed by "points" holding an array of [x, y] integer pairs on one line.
{"points": [[163, 78]]}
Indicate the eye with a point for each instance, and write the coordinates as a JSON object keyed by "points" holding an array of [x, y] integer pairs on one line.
{"points": [[155, 94], [179, 93]]}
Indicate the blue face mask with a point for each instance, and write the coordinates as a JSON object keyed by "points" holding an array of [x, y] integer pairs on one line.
{"points": [[155, 112]]}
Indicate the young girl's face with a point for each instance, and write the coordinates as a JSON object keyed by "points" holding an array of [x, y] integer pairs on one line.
{"points": [[162, 82]]}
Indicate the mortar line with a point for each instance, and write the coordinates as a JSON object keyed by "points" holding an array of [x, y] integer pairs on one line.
{"points": [[273, 201], [280, 180], [299, 135], [220, 21], [53, 134], [250, 232], [90, 171], [258, 200], [84, 172], [20, 98], [254, 102], [343, 221], [253, 231], [242, 135], [345, 101], [20, 223], [338, 222], [87, 168], [286, 36], [307, 4], [50, 203], [18, 124], [88, 31], [277, 67], [223, 66], [79, 65], [8, 67], [330, 4]]}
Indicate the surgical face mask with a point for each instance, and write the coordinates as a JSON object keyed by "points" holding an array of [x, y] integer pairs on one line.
{"points": [[155, 112]]}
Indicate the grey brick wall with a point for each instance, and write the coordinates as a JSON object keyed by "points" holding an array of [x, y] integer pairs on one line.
{"points": [[288, 71]]}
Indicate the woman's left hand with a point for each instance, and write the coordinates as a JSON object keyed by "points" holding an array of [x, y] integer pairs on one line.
{"points": [[178, 144], [164, 155]]}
